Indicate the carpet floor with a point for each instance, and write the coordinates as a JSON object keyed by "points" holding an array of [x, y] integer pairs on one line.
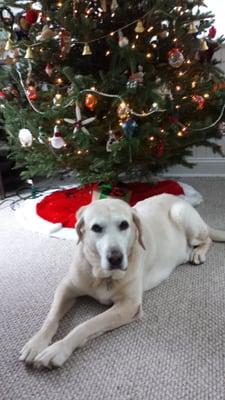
{"points": [[177, 350]]}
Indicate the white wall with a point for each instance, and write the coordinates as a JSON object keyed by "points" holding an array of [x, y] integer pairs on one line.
{"points": [[218, 8]]}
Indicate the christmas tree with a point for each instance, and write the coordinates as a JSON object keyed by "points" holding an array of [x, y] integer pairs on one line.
{"points": [[109, 88]]}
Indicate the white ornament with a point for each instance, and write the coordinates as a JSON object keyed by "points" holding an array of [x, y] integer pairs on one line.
{"points": [[37, 6], [136, 79], [154, 41], [123, 40], [79, 123], [165, 23], [175, 58], [114, 5], [25, 137], [57, 141], [44, 87]]}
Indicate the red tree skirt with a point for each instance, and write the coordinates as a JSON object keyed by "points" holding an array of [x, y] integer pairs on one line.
{"points": [[61, 206]]}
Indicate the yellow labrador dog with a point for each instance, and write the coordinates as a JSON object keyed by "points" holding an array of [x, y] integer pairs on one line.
{"points": [[121, 252]]}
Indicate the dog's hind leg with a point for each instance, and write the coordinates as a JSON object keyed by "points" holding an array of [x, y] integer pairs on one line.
{"points": [[63, 300], [195, 228], [200, 249]]}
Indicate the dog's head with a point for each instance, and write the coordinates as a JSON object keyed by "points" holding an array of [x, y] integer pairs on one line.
{"points": [[108, 230]]}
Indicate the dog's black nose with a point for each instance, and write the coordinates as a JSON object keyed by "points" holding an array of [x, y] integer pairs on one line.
{"points": [[115, 258]]}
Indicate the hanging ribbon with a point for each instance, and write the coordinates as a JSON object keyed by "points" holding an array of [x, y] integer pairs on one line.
{"points": [[104, 5]]}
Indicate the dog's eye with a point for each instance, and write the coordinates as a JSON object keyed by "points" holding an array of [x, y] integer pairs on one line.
{"points": [[96, 228], [123, 225]]}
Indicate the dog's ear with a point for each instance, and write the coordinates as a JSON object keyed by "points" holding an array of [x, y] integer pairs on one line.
{"points": [[137, 222], [80, 223]]}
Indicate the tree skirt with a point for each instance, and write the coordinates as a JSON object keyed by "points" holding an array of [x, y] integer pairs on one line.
{"points": [[54, 213]]}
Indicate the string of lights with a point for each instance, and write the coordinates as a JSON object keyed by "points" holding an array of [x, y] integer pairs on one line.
{"points": [[213, 124], [152, 110], [101, 37]]}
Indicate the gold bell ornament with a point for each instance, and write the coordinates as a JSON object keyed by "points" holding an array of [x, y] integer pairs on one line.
{"points": [[192, 29], [9, 44], [203, 45], [86, 51], [29, 53], [57, 101], [114, 5], [139, 28]]}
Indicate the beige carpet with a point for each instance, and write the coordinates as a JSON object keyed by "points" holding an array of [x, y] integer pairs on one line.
{"points": [[177, 351]]}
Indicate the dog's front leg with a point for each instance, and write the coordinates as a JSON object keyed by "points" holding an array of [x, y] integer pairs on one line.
{"points": [[119, 314], [63, 300]]}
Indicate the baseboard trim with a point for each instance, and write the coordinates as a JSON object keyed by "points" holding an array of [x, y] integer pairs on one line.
{"points": [[204, 167]]}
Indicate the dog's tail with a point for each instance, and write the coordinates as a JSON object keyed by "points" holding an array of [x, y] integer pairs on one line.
{"points": [[216, 234]]}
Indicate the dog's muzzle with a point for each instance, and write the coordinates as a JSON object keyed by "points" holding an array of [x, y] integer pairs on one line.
{"points": [[115, 259]]}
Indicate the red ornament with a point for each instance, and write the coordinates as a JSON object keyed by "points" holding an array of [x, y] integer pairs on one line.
{"points": [[200, 101], [173, 119], [2, 95], [212, 32], [158, 148], [175, 58], [32, 93], [31, 16], [90, 101], [49, 69], [10, 92]]}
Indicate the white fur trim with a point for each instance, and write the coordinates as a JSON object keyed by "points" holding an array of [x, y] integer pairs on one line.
{"points": [[27, 216], [191, 195]]}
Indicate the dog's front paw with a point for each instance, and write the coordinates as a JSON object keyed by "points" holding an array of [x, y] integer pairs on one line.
{"points": [[33, 347], [54, 356]]}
